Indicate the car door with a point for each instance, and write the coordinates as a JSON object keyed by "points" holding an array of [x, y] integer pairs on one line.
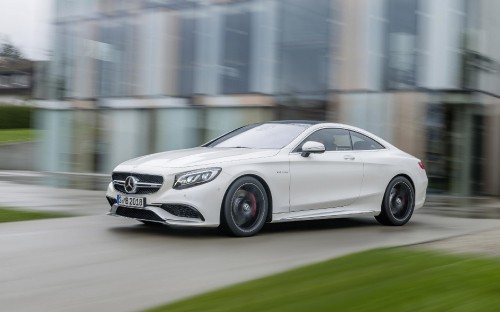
{"points": [[377, 168], [327, 180]]}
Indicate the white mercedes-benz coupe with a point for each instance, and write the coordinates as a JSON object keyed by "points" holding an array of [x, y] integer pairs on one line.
{"points": [[271, 172]]}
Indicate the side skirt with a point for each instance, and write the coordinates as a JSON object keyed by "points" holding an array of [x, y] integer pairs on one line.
{"points": [[330, 213]]}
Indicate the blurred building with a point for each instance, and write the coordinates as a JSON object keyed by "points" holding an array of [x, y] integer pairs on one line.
{"points": [[133, 77], [15, 80]]}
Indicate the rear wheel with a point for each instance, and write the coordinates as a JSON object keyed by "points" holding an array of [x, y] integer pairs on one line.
{"points": [[245, 207], [398, 202]]}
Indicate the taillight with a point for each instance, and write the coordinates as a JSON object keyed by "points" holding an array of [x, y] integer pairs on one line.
{"points": [[421, 164]]}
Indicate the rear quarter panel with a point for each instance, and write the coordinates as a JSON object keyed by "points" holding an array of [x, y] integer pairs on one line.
{"points": [[380, 167]]}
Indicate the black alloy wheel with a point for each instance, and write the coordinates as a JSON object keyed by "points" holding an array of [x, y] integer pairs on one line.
{"points": [[245, 207], [398, 203]]}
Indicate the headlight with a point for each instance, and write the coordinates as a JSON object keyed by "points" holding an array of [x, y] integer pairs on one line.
{"points": [[191, 178]]}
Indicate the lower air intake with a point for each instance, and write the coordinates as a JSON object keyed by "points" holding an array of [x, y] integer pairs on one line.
{"points": [[142, 214], [182, 211]]}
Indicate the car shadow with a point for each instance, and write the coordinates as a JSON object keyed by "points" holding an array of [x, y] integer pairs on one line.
{"points": [[318, 225], [168, 230], [268, 229]]}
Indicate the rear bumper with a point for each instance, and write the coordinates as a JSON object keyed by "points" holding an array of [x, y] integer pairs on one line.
{"points": [[421, 193]]}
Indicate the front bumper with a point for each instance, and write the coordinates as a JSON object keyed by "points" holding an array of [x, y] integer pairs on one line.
{"points": [[205, 200], [153, 214]]}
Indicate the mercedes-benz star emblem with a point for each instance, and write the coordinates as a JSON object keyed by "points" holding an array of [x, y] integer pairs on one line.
{"points": [[131, 184]]}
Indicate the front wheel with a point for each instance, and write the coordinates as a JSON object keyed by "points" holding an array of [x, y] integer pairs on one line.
{"points": [[398, 202], [245, 207]]}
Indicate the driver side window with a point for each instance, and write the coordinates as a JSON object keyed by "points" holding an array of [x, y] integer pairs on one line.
{"points": [[332, 139]]}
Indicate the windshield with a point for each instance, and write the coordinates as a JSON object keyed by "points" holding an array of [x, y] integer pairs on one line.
{"points": [[268, 135]]}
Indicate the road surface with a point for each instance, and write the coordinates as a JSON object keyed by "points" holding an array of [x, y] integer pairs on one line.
{"points": [[102, 263]]}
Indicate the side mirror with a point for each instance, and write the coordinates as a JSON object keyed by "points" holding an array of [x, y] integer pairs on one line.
{"points": [[312, 147]]}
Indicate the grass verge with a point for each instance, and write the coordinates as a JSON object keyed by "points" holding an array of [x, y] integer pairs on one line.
{"points": [[16, 135], [399, 279], [11, 215]]}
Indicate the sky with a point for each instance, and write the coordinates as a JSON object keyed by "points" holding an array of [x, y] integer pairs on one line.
{"points": [[26, 24]]}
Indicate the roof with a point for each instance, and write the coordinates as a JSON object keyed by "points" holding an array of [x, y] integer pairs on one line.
{"points": [[9, 65], [301, 122]]}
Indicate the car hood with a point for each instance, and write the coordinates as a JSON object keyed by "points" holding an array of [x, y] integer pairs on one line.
{"points": [[199, 156]]}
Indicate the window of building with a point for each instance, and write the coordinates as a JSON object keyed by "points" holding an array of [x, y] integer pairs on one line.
{"points": [[303, 46], [20, 80], [187, 53], [4, 81], [112, 65], [401, 44], [237, 34]]}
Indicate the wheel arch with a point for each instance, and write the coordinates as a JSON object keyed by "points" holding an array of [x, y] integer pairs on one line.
{"points": [[383, 217], [266, 187], [404, 175]]}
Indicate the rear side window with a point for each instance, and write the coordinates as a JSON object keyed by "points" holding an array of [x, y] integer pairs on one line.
{"points": [[361, 142]]}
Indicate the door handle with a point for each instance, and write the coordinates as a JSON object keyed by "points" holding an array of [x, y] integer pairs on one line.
{"points": [[349, 157]]}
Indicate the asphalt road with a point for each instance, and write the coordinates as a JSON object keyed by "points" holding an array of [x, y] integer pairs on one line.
{"points": [[101, 263]]}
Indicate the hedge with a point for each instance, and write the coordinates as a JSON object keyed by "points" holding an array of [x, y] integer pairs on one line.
{"points": [[15, 117]]}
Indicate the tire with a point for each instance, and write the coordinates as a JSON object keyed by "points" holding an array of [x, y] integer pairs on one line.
{"points": [[244, 208], [398, 203]]}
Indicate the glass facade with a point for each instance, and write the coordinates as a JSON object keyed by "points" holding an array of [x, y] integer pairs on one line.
{"points": [[236, 53], [401, 44], [188, 26], [186, 48], [339, 60], [109, 59], [303, 46]]}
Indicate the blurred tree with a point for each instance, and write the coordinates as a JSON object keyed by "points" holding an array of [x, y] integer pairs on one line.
{"points": [[9, 50]]}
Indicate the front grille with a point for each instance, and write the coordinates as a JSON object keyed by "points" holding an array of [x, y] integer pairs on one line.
{"points": [[142, 177], [137, 214], [119, 179], [140, 190], [182, 211]]}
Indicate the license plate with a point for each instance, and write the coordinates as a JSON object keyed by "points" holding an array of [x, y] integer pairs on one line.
{"points": [[128, 201]]}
